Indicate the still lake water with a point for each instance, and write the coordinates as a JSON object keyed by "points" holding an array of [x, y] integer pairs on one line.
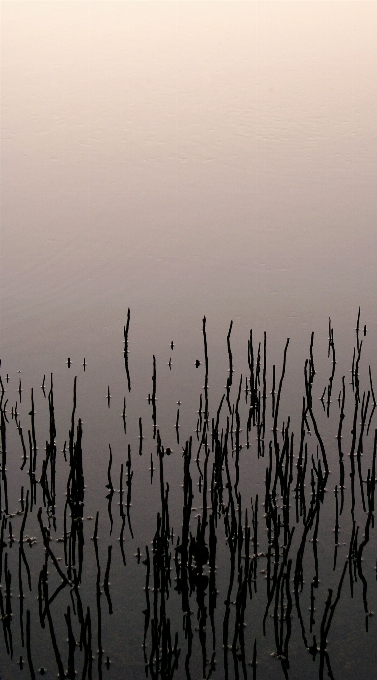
{"points": [[184, 160]]}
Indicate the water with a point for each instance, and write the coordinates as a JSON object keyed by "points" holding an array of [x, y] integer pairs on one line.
{"points": [[260, 546], [183, 160]]}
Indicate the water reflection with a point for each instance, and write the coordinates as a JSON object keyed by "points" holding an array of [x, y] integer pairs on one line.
{"points": [[245, 572], [214, 159], [182, 159]]}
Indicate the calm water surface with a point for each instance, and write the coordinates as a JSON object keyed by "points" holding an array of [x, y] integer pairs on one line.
{"points": [[181, 160]]}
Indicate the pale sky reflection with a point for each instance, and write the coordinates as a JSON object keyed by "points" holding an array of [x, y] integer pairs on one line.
{"points": [[215, 156]]}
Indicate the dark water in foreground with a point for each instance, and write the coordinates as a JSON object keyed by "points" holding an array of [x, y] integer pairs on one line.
{"points": [[191, 521]]}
